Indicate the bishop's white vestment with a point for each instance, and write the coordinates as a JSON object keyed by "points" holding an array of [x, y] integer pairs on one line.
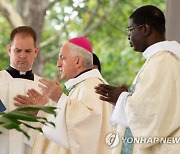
{"points": [[82, 122]]}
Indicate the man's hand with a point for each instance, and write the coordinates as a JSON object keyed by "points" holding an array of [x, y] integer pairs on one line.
{"points": [[109, 93], [52, 89], [33, 98]]}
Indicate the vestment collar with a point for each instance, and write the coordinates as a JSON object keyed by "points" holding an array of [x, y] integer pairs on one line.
{"points": [[171, 46], [94, 73]]}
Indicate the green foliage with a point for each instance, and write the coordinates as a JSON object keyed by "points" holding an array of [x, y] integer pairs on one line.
{"points": [[19, 117], [4, 41], [120, 63]]}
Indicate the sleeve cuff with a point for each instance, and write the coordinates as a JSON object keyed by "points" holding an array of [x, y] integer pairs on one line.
{"points": [[118, 116], [58, 134]]}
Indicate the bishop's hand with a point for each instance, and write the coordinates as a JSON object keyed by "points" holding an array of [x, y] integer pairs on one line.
{"points": [[110, 93], [52, 89]]}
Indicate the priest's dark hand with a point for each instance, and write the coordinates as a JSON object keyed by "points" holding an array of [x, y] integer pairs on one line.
{"points": [[52, 89], [110, 93]]}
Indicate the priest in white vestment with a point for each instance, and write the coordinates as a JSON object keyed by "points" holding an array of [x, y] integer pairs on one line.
{"points": [[17, 79], [150, 110]]}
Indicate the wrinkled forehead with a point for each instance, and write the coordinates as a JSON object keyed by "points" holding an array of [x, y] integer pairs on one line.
{"points": [[64, 49]]}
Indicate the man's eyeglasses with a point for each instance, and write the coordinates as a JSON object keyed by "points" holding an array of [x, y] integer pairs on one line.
{"points": [[129, 29]]}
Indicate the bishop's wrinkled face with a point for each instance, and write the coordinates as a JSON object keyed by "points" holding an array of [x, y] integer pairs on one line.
{"points": [[66, 63], [22, 52]]}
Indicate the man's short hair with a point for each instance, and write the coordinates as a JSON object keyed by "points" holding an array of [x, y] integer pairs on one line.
{"points": [[79, 51], [23, 29], [150, 15]]}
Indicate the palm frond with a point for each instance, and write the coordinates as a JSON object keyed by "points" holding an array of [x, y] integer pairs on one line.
{"points": [[19, 117]]}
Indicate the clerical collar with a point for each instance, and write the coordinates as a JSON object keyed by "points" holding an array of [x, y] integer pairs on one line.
{"points": [[17, 74], [94, 73], [82, 72]]}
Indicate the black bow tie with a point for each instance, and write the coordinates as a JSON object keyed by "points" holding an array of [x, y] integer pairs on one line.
{"points": [[16, 74]]}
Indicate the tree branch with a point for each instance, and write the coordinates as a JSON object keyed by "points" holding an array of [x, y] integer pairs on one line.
{"points": [[102, 18], [117, 27], [54, 37], [11, 15], [50, 56], [50, 4], [51, 39], [94, 26], [95, 12]]}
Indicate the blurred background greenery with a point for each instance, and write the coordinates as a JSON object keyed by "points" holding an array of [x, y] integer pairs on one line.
{"points": [[104, 22]]}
